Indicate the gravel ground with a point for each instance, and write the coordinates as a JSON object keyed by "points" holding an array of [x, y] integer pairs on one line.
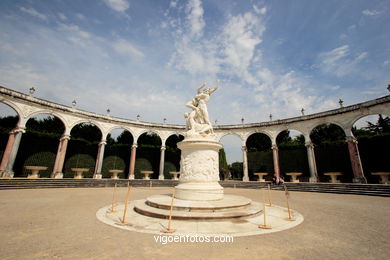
{"points": [[61, 224]]}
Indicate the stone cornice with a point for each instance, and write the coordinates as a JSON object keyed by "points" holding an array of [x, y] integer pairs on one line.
{"points": [[28, 99]]}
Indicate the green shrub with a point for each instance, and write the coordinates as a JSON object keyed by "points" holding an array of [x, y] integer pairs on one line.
{"points": [[79, 161], [141, 164], [46, 159], [113, 163]]}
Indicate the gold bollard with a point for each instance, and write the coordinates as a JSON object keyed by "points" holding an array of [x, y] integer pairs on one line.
{"points": [[113, 199], [264, 225], [269, 196], [169, 229], [288, 204], [123, 221]]}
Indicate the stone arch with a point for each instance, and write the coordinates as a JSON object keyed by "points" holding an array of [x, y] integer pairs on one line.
{"points": [[15, 108], [86, 121], [259, 154], [50, 113], [332, 154], [371, 142], [172, 154], [292, 154], [252, 132], [232, 146], [230, 133], [115, 127], [146, 132]]}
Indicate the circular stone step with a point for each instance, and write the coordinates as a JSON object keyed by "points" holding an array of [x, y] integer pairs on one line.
{"points": [[141, 207], [163, 201]]}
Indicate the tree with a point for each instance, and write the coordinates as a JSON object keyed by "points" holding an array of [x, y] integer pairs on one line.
{"points": [[381, 126], [236, 170], [124, 138], [48, 124], [327, 134], [8, 123], [258, 142], [86, 132]]}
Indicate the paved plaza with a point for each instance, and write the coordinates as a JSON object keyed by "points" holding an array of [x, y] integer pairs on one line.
{"points": [[62, 224]]}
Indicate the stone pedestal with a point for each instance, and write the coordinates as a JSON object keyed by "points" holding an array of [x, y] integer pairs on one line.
{"points": [[199, 170]]}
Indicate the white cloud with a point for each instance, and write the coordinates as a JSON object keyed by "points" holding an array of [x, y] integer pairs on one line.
{"points": [[195, 17], [62, 16], [126, 48], [80, 16], [35, 13], [117, 5], [340, 61], [370, 12]]}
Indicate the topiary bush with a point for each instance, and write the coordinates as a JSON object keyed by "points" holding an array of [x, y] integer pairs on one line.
{"points": [[169, 167], [142, 164], [113, 163], [79, 161], [46, 159]]}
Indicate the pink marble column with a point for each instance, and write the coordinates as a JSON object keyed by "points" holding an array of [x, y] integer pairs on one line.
{"points": [[162, 160], [275, 152], [12, 153], [132, 161], [99, 160], [355, 160], [60, 158], [7, 152], [311, 158], [245, 163]]}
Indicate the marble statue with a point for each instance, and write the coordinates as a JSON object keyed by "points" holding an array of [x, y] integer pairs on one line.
{"points": [[198, 121]]}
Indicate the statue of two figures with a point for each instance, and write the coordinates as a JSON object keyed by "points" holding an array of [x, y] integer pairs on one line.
{"points": [[198, 121]]}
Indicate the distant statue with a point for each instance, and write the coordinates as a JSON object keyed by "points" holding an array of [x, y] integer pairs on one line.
{"points": [[198, 121]]}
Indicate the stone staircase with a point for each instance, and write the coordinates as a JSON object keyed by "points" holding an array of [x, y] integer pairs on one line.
{"points": [[339, 188]]}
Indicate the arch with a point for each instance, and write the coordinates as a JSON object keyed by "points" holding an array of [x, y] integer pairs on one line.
{"points": [[250, 133], [51, 113], [290, 129], [86, 121], [13, 107], [232, 148], [230, 133], [115, 127], [360, 116], [292, 154], [146, 132]]}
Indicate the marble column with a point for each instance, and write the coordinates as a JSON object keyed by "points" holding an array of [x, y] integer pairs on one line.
{"points": [[355, 160], [245, 163], [275, 152], [162, 159], [99, 160], [10, 153], [132, 161], [311, 158], [60, 158]]}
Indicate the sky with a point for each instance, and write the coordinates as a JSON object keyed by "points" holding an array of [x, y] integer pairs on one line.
{"points": [[148, 57]]}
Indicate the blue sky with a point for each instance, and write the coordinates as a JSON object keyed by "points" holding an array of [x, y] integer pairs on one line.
{"points": [[147, 57]]}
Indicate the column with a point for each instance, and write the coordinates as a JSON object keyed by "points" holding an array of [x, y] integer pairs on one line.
{"points": [[275, 152], [11, 152], [312, 162], [162, 159], [132, 161], [355, 160], [245, 163], [60, 158], [7, 152], [99, 160]]}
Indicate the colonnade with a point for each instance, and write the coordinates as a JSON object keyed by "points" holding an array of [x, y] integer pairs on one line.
{"points": [[11, 150]]}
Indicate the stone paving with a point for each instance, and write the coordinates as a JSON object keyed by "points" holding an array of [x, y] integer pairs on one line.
{"points": [[62, 224]]}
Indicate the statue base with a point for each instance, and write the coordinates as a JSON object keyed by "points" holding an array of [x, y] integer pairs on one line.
{"points": [[199, 170]]}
